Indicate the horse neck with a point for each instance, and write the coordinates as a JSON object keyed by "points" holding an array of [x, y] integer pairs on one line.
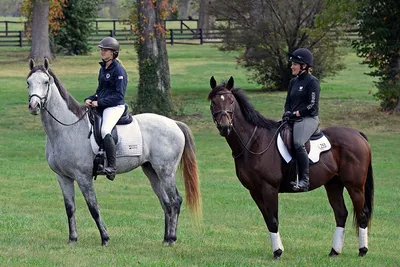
{"points": [[57, 106]]}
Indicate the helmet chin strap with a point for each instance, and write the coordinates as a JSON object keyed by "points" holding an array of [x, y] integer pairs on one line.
{"points": [[303, 69]]}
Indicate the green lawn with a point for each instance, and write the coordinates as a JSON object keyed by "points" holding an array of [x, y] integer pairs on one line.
{"points": [[33, 223]]}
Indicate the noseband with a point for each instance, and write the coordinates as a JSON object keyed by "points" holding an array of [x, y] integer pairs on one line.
{"points": [[223, 111]]}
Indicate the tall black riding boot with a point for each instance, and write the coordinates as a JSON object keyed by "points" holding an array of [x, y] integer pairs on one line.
{"points": [[303, 170], [109, 147]]}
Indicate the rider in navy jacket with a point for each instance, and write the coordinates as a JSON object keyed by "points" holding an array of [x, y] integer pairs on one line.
{"points": [[109, 98], [112, 85]]}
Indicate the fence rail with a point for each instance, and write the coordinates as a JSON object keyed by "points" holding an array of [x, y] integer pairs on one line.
{"points": [[188, 33]]}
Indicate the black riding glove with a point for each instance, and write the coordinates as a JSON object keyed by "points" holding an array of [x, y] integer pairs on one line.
{"points": [[288, 115]]}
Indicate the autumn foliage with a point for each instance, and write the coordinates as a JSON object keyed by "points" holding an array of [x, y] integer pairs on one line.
{"points": [[56, 14]]}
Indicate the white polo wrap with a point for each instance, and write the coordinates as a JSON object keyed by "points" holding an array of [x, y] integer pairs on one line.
{"points": [[363, 237], [338, 239], [276, 241]]}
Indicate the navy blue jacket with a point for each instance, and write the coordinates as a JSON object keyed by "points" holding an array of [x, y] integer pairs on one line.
{"points": [[112, 85], [303, 95]]}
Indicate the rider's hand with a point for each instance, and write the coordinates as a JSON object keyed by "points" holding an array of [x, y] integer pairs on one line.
{"points": [[88, 102], [287, 115], [94, 104]]}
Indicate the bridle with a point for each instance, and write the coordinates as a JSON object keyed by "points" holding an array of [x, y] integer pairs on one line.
{"points": [[43, 106], [224, 112], [247, 144]]}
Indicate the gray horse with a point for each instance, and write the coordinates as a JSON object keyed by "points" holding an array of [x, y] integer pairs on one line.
{"points": [[167, 144]]}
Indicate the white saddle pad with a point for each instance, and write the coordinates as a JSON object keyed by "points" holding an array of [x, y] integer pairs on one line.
{"points": [[129, 140], [316, 148]]}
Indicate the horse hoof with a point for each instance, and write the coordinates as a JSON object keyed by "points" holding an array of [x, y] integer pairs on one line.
{"points": [[169, 243], [72, 241], [277, 254], [362, 251], [104, 242], [333, 253]]}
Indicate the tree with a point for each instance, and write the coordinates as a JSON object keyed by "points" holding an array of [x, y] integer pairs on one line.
{"points": [[40, 24], [154, 76], [379, 29], [264, 31], [183, 9], [40, 44], [77, 26], [10, 8], [206, 19]]}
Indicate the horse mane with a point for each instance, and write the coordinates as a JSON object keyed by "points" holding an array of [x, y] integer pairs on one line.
{"points": [[73, 105], [250, 114]]}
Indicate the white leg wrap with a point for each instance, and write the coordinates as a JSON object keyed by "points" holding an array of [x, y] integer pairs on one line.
{"points": [[363, 237], [338, 239], [276, 241]]}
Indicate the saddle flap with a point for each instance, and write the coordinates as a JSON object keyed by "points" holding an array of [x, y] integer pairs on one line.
{"points": [[317, 144], [130, 140]]}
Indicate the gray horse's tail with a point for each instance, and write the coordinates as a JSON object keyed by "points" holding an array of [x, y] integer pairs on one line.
{"points": [[190, 173]]}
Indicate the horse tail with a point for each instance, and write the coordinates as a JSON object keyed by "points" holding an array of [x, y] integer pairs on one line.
{"points": [[188, 166], [368, 192]]}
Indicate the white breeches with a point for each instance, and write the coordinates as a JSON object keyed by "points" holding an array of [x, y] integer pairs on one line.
{"points": [[111, 116]]}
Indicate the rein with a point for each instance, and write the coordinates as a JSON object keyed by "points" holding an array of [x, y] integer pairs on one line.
{"points": [[66, 124], [245, 146], [51, 115], [251, 137]]}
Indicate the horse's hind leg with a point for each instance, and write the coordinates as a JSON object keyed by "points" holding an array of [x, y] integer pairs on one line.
{"points": [[86, 186], [334, 190], [68, 191], [164, 186], [357, 197]]}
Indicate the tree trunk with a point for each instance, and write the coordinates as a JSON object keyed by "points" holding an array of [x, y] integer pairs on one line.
{"points": [[206, 20], [154, 76], [396, 78], [183, 9], [40, 46]]}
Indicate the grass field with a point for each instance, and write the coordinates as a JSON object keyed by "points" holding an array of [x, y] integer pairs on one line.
{"points": [[33, 223]]}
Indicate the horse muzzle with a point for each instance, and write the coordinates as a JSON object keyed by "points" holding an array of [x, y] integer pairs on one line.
{"points": [[34, 108], [224, 130]]}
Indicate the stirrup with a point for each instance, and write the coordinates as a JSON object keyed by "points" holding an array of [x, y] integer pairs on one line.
{"points": [[110, 173], [297, 188]]}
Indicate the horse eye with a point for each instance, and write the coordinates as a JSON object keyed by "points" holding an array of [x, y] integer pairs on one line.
{"points": [[46, 82]]}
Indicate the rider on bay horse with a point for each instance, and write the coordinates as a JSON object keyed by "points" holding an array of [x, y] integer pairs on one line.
{"points": [[301, 106]]}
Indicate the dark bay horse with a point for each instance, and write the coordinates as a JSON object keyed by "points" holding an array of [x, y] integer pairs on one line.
{"points": [[261, 169], [167, 144]]}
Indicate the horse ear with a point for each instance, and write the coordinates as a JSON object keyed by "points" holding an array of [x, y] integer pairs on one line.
{"points": [[31, 63], [46, 64], [230, 84], [213, 82]]}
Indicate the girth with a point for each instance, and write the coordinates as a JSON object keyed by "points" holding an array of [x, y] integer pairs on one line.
{"points": [[96, 119]]}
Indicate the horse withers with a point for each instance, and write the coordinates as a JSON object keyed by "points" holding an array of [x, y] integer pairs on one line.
{"points": [[263, 171], [69, 153]]}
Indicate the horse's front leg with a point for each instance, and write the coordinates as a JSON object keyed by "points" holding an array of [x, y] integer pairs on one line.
{"points": [[266, 198], [86, 185], [68, 190]]}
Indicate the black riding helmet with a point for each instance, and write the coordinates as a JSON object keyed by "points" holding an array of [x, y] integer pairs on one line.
{"points": [[301, 56], [110, 43]]}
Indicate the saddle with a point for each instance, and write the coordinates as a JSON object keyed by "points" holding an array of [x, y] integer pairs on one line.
{"points": [[287, 137], [96, 120]]}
